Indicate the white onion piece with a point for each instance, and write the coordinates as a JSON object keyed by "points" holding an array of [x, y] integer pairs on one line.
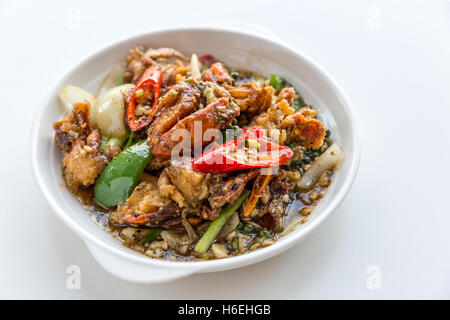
{"points": [[219, 251], [112, 79], [190, 231], [171, 237], [229, 226], [330, 158], [71, 95], [195, 67], [109, 111]]}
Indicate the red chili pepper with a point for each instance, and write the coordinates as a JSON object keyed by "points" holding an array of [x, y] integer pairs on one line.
{"points": [[150, 80], [256, 132], [220, 158], [207, 59]]}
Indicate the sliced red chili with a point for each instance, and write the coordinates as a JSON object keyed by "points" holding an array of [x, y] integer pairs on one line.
{"points": [[150, 82], [207, 59], [256, 132], [225, 158]]}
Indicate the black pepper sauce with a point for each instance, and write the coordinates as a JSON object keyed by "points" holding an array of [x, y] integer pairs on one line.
{"points": [[294, 214]]}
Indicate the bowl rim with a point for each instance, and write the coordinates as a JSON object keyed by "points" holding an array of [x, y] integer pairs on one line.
{"points": [[245, 259]]}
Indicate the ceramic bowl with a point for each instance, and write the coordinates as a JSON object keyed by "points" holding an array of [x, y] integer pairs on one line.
{"points": [[245, 50]]}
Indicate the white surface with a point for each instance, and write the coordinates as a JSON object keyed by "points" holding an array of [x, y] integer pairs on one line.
{"points": [[391, 58]]}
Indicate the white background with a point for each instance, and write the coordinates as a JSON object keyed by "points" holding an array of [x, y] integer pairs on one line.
{"points": [[391, 57]]}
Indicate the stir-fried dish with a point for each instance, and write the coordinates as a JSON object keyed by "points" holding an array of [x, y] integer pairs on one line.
{"points": [[186, 159]]}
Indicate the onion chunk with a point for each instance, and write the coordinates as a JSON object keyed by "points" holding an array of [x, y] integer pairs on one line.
{"points": [[329, 159]]}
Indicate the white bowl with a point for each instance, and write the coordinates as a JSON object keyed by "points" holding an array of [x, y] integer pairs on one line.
{"points": [[236, 49]]}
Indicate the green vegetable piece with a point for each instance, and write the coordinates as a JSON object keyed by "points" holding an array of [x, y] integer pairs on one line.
{"points": [[114, 141], [120, 177], [103, 142], [139, 93], [292, 145], [214, 228], [248, 228], [235, 244], [117, 141], [120, 82], [277, 82], [234, 76], [306, 159], [264, 233], [251, 143], [130, 139], [150, 235], [204, 67]]}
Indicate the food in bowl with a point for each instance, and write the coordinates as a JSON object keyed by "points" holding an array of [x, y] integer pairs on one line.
{"points": [[186, 159]]}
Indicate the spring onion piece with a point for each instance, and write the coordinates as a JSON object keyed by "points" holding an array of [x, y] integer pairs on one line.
{"points": [[264, 233], [248, 228], [130, 139], [150, 235], [214, 228], [117, 141], [103, 142], [139, 93], [234, 76]]}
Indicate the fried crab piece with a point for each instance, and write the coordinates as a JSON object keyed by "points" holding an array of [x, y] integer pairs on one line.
{"points": [[135, 65], [177, 103], [232, 189], [217, 73], [271, 119], [170, 72], [305, 131], [146, 207], [83, 164], [209, 213], [139, 60], [252, 98], [76, 126], [167, 189], [157, 164], [165, 53], [217, 115], [79, 143], [192, 184], [288, 94]]}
